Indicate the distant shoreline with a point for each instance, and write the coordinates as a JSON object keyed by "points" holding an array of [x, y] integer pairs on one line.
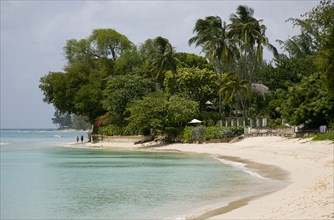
{"points": [[42, 129], [308, 167]]}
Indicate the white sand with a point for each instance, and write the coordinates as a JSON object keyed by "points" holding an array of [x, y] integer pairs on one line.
{"points": [[309, 164], [310, 167]]}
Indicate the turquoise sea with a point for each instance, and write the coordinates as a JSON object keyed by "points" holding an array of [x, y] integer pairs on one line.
{"points": [[42, 179]]}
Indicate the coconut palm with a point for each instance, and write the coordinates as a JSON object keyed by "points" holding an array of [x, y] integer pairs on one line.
{"points": [[250, 34], [211, 35], [234, 88], [164, 56], [159, 57]]}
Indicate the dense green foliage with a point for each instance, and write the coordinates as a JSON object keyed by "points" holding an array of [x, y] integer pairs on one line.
{"points": [[211, 133], [196, 84], [159, 113], [235, 48], [120, 91], [216, 132], [68, 121], [78, 90], [111, 130], [150, 88], [308, 103], [302, 83]]}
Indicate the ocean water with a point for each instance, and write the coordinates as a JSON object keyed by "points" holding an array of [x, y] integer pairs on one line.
{"points": [[42, 179]]}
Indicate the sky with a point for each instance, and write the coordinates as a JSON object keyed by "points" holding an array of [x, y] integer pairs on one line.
{"points": [[33, 34]]}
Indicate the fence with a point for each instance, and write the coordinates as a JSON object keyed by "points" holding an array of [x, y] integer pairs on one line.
{"points": [[256, 132], [259, 122]]}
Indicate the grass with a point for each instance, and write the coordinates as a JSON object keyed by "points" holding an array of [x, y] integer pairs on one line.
{"points": [[322, 136]]}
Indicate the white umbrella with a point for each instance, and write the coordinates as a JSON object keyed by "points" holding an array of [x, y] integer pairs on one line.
{"points": [[195, 121]]}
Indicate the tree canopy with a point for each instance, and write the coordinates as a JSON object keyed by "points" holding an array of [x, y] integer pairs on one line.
{"points": [[136, 89]]}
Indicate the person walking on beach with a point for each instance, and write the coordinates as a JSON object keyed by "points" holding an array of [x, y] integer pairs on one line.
{"points": [[77, 139], [82, 138]]}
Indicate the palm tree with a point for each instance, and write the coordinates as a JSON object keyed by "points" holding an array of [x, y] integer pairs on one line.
{"points": [[159, 57], [237, 45], [164, 55], [250, 35], [234, 88], [163, 58], [211, 35]]}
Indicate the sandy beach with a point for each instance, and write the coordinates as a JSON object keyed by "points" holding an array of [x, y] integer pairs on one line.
{"points": [[307, 166]]}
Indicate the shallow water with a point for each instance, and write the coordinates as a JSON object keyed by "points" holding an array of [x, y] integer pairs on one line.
{"points": [[40, 179]]}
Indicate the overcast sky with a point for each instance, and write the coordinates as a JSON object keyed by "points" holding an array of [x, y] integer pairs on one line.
{"points": [[33, 34]]}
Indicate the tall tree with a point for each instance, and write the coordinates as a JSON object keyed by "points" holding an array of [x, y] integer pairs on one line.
{"points": [[147, 113], [189, 60], [159, 57], [251, 40], [164, 56], [109, 43], [156, 111], [78, 51], [212, 37], [197, 84], [120, 91], [78, 90], [308, 103], [219, 49], [322, 18], [54, 86], [250, 36], [234, 88], [130, 62], [302, 81]]}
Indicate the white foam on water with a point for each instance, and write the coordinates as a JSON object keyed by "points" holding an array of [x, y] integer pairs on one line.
{"points": [[241, 166]]}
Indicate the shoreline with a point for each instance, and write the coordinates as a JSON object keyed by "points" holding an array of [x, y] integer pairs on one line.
{"points": [[307, 166], [257, 170]]}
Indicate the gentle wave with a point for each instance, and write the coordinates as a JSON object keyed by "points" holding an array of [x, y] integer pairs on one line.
{"points": [[3, 143], [241, 166]]}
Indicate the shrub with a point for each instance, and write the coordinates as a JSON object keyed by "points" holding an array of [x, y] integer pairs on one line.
{"points": [[186, 134], [324, 136], [237, 130], [191, 134], [110, 130], [215, 132], [276, 123]]}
